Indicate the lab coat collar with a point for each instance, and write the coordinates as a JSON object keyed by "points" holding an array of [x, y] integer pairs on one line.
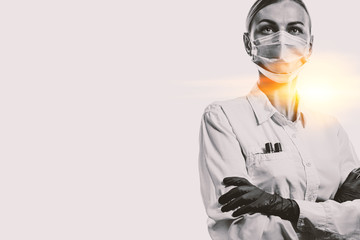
{"points": [[264, 110]]}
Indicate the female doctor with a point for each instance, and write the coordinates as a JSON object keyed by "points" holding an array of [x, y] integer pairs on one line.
{"points": [[270, 168]]}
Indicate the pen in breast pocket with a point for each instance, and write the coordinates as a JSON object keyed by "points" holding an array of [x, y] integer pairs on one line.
{"points": [[269, 147], [278, 147]]}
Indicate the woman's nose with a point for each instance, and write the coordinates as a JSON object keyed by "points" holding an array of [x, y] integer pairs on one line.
{"points": [[282, 51]]}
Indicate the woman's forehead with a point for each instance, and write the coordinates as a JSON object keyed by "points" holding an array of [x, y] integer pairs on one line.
{"points": [[283, 13]]}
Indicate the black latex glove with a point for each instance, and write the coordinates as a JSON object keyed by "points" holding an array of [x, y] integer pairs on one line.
{"points": [[350, 189], [247, 198]]}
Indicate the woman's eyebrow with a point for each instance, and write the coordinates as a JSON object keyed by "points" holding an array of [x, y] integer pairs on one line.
{"points": [[273, 22], [297, 22], [267, 20]]}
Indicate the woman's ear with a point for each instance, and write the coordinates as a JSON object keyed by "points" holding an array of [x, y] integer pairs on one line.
{"points": [[311, 43], [247, 43]]}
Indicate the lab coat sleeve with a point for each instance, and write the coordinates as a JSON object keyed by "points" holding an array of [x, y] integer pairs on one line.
{"points": [[335, 220], [220, 156]]}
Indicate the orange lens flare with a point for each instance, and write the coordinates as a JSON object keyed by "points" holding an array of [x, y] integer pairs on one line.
{"points": [[328, 83]]}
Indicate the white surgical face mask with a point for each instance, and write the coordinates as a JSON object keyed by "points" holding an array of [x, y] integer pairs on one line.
{"points": [[280, 56]]}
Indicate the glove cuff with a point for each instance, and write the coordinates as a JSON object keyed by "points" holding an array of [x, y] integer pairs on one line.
{"points": [[285, 208], [293, 211]]}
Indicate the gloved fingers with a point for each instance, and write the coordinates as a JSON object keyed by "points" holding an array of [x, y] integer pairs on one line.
{"points": [[351, 177], [235, 181], [244, 209], [234, 193], [245, 199], [357, 172], [232, 205]]}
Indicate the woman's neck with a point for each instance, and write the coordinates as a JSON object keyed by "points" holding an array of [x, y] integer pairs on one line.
{"points": [[281, 95]]}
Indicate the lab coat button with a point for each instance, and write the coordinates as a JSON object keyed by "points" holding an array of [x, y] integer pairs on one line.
{"points": [[308, 164]]}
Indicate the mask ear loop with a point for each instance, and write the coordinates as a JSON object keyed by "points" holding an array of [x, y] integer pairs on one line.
{"points": [[253, 51]]}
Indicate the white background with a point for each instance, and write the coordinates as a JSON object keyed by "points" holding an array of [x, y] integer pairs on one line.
{"points": [[101, 104]]}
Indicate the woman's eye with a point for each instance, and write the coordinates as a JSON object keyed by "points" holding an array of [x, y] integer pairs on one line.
{"points": [[295, 31], [267, 30]]}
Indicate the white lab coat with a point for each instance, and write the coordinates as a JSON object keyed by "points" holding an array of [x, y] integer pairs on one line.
{"points": [[317, 157]]}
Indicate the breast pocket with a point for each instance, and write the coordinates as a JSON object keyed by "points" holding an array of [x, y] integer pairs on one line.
{"points": [[272, 167]]}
